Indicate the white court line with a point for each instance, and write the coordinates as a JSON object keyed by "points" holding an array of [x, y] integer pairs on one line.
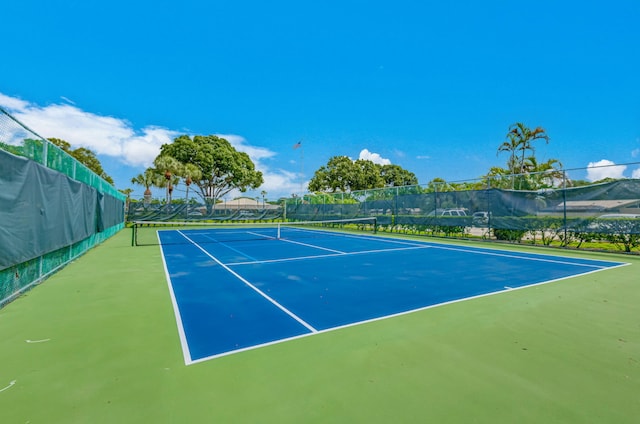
{"points": [[241, 253], [314, 246], [186, 353], [333, 255], [260, 292], [401, 313], [416, 245], [528, 258], [357, 236], [437, 245], [264, 236]]}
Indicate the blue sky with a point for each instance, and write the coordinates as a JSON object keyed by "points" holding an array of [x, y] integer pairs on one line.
{"points": [[430, 86]]}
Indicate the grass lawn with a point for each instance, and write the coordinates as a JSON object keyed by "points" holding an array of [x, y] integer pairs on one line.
{"points": [[97, 343]]}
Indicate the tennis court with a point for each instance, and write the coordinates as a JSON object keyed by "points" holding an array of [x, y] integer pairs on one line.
{"points": [[244, 287], [97, 342]]}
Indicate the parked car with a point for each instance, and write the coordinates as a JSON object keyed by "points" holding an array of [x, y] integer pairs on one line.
{"points": [[480, 218], [448, 212]]}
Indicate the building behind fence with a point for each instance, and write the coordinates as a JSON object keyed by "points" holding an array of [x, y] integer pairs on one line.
{"points": [[52, 208]]}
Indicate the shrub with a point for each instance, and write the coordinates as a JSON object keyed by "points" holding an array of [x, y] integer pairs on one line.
{"points": [[509, 235]]}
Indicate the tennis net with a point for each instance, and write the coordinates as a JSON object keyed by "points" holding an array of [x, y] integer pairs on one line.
{"points": [[149, 233]]}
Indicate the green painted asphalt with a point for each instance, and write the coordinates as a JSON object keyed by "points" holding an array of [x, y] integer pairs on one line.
{"points": [[97, 343]]}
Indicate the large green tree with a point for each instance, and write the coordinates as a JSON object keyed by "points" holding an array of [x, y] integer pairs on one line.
{"points": [[337, 175], [220, 167], [343, 174], [395, 175], [85, 156]]}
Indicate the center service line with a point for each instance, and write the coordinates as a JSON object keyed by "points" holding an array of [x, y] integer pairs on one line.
{"points": [[260, 292]]}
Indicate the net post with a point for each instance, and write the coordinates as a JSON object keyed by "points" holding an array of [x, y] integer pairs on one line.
{"points": [[133, 233], [375, 225], [278, 233]]}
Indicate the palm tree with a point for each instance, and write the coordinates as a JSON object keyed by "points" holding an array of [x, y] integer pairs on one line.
{"points": [[525, 136], [147, 180], [519, 142], [546, 173], [127, 192], [190, 172], [167, 171], [498, 178], [519, 139], [512, 145], [263, 193]]}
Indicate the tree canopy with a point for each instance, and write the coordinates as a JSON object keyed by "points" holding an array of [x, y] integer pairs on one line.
{"points": [[343, 174], [216, 166], [85, 156]]}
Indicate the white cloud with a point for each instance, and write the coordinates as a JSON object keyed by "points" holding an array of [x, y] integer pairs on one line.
{"points": [[282, 183], [12, 103], [604, 169], [105, 135], [143, 149], [365, 154], [636, 152], [117, 138], [277, 183], [635, 173], [240, 144]]}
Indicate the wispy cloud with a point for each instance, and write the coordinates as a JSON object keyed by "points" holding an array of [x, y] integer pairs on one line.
{"points": [[66, 99], [399, 153]]}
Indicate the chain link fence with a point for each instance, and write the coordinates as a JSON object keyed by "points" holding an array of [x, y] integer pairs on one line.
{"points": [[546, 208], [52, 208]]}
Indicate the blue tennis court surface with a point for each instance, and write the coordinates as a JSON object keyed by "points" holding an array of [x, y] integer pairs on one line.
{"points": [[232, 294]]}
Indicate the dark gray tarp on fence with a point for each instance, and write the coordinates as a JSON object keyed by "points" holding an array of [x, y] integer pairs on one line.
{"points": [[110, 211], [603, 209], [42, 210]]}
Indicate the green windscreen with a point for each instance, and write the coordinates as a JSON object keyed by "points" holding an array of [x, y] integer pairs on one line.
{"points": [[52, 208]]}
